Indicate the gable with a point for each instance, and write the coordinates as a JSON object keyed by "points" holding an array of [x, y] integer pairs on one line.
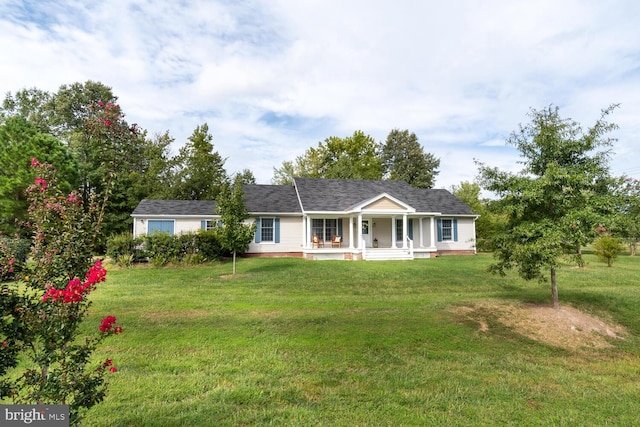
{"points": [[384, 204]]}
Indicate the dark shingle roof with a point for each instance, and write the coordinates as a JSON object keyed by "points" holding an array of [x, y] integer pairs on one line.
{"points": [[271, 198], [176, 207], [257, 198], [343, 194], [437, 200], [323, 195]]}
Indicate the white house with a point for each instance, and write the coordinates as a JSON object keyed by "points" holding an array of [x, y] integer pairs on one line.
{"points": [[332, 219]]}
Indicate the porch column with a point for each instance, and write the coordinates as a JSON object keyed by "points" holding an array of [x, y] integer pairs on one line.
{"points": [[405, 232], [432, 242], [359, 231], [421, 233], [307, 235], [304, 231], [351, 232], [393, 233]]}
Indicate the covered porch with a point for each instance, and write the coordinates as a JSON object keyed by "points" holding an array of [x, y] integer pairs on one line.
{"points": [[369, 236]]}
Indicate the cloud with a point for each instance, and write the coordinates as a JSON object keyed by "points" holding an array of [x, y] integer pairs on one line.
{"points": [[274, 78]]}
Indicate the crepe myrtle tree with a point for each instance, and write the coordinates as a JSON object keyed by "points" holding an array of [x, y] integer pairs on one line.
{"points": [[235, 235], [46, 356], [554, 205]]}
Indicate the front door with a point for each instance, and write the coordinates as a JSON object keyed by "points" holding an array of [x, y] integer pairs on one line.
{"points": [[366, 235]]}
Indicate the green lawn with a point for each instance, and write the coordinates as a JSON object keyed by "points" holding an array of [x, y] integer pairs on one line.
{"points": [[335, 343]]}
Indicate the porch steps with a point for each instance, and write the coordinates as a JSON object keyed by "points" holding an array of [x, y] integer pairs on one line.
{"points": [[387, 254]]}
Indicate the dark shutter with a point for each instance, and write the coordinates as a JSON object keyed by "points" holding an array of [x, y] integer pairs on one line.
{"points": [[455, 230], [258, 231]]}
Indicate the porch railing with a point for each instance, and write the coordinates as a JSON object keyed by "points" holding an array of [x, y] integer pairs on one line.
{"points": [[410, 242]]}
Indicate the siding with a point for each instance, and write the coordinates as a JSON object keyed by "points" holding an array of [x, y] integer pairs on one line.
{"points": [[290, 237]]}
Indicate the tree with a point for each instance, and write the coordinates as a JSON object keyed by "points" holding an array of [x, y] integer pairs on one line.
{"points": [[199, 173], [626, 222], [104, 155], [353, 157], [404, 159], [72, 105], [45, 357], [284, 174], [32, 104], [247, 177], [556, 202], [115, 148], [234, 234], [20, 141], [489, 223], [608, 248]]}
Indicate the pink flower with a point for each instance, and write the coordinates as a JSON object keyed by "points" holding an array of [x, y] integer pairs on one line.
{"points": [[113, 369], [34, 162], [74, 198], [42, 183], [107, 323]]}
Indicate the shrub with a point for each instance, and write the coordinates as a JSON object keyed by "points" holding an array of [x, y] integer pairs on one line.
{"points": [[125, 260], [162, 246], [124, 244], [608, 248], [188, 244], [209, 245], [193, 259]]}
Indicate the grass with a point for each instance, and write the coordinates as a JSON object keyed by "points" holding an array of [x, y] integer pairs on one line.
{"points": [[300, 343]]}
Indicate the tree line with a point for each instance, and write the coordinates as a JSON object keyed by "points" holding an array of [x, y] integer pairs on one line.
{"points": [[59, 128], [120, 160]]}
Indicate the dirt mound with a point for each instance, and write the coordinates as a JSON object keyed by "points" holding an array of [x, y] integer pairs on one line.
{"points": [[564, 327]]}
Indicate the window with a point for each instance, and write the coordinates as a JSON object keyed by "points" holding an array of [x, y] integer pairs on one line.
{"points": [[325, 228], [267, 230], [447, 230], [161, 226], [209, 224], [399, 235], [399, 232]]}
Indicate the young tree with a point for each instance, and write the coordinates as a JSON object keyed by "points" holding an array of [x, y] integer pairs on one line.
{"points": [[404, 159], [608, 248], [234, 234], [555, 203], [200, 172]]}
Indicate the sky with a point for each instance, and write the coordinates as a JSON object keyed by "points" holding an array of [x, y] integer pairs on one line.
{"points": [[272, 78]]}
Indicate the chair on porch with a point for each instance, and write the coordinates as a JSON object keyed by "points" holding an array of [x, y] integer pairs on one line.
{"points": [[317, 242], [336, 241]]}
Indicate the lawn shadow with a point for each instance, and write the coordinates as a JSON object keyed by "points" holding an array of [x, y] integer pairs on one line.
{"points": [[283, 264]]}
